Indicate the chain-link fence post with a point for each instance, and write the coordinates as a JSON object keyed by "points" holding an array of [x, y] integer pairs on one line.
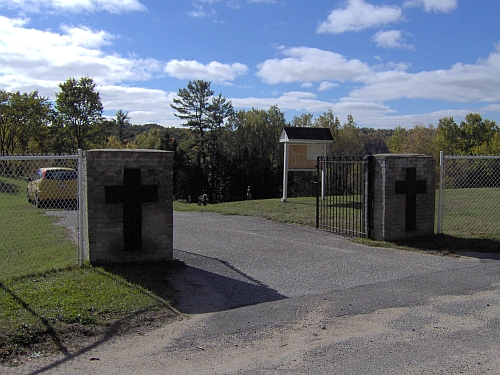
{"points": [[441, 187]]}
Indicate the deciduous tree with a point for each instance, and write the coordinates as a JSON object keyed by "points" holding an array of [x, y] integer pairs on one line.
{"points": [[24, 118], [420, 139], [470, 137], [302, 121], [348, 140], [80, 108]]}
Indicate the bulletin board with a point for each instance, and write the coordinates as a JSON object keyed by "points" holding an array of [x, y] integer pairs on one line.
{"points": [[302, 157]]}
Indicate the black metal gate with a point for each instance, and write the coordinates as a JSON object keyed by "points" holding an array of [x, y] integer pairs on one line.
{"points": [[343, 197]]}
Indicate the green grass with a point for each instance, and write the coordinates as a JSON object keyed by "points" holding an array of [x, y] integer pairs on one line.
{"points": [[465, 211], [46, 300], [295, 211], [32, 243], [300, 210]]}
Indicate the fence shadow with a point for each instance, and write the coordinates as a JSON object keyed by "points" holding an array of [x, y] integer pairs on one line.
{"points": [[484, 248], [49, 328], [53, 335]]}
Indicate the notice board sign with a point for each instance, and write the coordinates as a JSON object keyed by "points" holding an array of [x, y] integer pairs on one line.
{"points": [[302, 157]]}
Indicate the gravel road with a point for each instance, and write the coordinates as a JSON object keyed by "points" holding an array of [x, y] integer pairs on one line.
{"points": [[265, 298]]}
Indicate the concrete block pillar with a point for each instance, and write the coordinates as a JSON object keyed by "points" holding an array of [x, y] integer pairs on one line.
{"points": [[403, 196], [128, 205]]}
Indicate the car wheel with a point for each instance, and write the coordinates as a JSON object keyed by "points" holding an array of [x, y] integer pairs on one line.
{"points": [[38, 202]]}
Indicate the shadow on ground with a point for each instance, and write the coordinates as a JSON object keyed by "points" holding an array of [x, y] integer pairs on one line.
{"points": [[197, 284], [481, 247]]}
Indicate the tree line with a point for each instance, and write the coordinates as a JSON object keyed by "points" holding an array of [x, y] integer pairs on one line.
{"points": [[219, 151], [473, 136]]}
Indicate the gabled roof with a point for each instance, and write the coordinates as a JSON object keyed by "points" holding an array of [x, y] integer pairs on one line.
{"points": [[306, 135]]}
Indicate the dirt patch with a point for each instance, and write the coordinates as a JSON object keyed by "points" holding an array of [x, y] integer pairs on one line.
{"points": [[69, 339], [68, 219]]}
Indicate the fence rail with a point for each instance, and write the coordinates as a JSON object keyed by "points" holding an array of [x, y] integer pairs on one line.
{"points": [[469, 196]]}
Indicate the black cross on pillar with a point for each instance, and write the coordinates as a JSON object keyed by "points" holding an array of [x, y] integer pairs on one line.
{"points": [[131, 194], [411, 187]]}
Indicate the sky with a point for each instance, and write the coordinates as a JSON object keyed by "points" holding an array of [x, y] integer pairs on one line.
{"points": [[387, 63]]}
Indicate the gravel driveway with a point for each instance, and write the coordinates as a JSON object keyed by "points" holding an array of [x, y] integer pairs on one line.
{"points": [[267, 298]]}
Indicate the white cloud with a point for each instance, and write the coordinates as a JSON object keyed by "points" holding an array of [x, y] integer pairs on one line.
{"points": [[310, 65], [366, 113], [200, 12], [388, 120], [142, 104], [214, 71], [75, 6], [461, 83], [200, 9], [325, 85], [390, 39], [358, 15], [86, 38], [491, 108], [434, 5], [30, 57], [295, 100]]}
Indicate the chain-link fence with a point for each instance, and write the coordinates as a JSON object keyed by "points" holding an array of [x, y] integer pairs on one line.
{"points": [[469, 196], [39, 215]]}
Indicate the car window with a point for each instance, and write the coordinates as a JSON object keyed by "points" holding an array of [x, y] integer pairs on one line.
{"points": [[61, 175]]}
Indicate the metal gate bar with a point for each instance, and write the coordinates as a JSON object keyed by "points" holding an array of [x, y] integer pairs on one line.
{"points": [[343, 208]]}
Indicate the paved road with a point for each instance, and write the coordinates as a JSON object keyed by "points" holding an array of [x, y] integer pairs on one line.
{"points": [[268, 298], [246, 260]]}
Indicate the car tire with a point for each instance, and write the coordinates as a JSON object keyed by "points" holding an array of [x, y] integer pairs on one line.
{"points": [[38, 202]]}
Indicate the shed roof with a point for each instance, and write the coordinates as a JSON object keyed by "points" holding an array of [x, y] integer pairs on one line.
{"points": [[306, 135]]}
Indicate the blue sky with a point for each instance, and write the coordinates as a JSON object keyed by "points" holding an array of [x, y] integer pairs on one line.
{"points": [[386, 62]]}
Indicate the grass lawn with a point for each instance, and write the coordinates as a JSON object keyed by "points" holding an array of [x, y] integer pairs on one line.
{"points": [[465, 211], [295, 211], [47, 302], [23, 246]]}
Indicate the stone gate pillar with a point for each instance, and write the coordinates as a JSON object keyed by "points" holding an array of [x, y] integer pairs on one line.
{"points": [[128, 205], [403, 196]]}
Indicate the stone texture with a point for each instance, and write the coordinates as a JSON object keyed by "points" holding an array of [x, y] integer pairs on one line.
{"points": [[104, 221], [389, 207]]}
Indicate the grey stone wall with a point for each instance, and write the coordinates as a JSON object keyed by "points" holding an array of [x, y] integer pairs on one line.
{"points": [[104, 239], [389, 208]]}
